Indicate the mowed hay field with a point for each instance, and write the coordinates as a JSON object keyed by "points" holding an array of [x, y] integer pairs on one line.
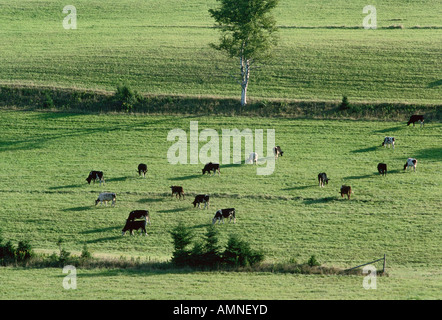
{"points": [[46, 158], [162, 47]]}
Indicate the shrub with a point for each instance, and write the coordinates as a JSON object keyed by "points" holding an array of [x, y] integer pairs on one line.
{"points": [[85, 254], [126, 97], [182, 237], [48, 102], [312, 262], [344, 104], [239, 254], [24, 251]]}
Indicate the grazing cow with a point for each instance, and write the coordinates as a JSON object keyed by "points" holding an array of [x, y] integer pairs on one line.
{"points": [[134, 225], [201, 198], [411, 162], [389, 141], [414, 118], [253, 158], [382, 168], [138, 214], [106, 196], [178, 191], [222, 214], [142, 169], [211, 167], [277, 151], [322, 177], [346, 190], [94, 176]]}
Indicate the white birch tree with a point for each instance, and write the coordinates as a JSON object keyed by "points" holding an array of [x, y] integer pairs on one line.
{"points": [[247, 33]]}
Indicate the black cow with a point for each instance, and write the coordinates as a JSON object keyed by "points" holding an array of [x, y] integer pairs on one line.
{"points": [[142, 169], [322, 177], [178, 191], [138, 214], [95, 175], [277, 151], [382, 169], [222, 214], [414, 118], [211, 167], [134, 225], [201, 198]]}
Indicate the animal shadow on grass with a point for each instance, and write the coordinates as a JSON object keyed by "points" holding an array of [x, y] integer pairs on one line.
{"points": [[388, 130], [119, 179], [77, 209], [66, 187], [370, 149], [193, 176], [320, 200], [435, 83], [301, 187], [99, 230], [148, 200], [172, 210]]}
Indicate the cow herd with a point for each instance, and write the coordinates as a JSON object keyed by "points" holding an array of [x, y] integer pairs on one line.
{"points": [[204, 199]]}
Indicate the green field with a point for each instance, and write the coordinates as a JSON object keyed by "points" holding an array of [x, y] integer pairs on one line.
{"points": [[47, 156], [162, 47]]}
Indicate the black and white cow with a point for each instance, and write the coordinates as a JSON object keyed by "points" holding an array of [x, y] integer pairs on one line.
{"points": [[95, 176], [178, 190], [211, 167], [105, 197], [382, 168], [142, 169], [322, 177], [253, 158], [201, 198], [138, 214], [414, 118], [389, 141], [411, 162], [222, 214], [277, 151], [134, 225]]}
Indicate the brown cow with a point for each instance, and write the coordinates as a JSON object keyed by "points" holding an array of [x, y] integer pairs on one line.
{"points": [[346, 190]]}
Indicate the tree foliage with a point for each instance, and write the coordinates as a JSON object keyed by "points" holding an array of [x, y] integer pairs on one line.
{"points": [[247, 32]]}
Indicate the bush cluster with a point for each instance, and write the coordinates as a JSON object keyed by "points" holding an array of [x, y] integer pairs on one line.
{"points": [[11, 254], [208, 254]]}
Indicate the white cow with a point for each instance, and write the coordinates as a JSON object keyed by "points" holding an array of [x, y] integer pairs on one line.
{"points": [[411, 162], [389, 141], [106, 196], [253, 158]]}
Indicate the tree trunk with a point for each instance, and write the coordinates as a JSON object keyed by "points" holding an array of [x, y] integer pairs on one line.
{"points": [[244, 95], [245, 73]]}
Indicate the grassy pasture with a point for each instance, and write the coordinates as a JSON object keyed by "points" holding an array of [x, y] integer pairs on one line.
{"points": [[162, 47], [285, 214]]}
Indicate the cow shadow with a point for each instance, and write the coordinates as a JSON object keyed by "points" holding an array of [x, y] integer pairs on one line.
{"points": [[175, 210], [70, 186], [388, 130], [320, 200], [369, 149], [430, 154], [100, 230], [435, 83], [193, 176], [149, 200], [78, 209], [301, 187], [361, 176]]}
